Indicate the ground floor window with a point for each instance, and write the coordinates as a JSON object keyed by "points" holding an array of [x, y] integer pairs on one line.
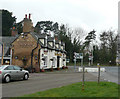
{"points": [[45, 60], [53, 62]]}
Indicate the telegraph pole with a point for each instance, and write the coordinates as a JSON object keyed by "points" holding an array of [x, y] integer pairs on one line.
{"points": [[98, 73], [83, 72], [74, 61]]}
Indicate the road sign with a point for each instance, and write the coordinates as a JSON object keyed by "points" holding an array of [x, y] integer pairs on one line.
{"points": [[78, 55], [74, 59], [67, 60]]}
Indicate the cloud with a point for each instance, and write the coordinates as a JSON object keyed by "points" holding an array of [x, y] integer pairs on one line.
{"points": [[89, 14]]}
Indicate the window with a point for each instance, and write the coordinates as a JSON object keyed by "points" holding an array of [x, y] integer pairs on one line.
{"points": [[57, 45], [9, 68], [17, 68], [36, 57], [51, 44], [43, 41], [45, 62], [62, 47], [1, 67], [16, 57], [53, 62]]}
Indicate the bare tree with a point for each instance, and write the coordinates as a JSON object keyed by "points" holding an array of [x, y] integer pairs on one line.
{"points": [[78, 33]]}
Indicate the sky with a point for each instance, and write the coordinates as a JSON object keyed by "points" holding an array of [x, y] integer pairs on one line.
{"points": [[87, 14]]}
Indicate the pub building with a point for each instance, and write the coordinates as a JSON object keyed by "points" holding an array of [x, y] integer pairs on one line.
{"points": [[34, 51]]}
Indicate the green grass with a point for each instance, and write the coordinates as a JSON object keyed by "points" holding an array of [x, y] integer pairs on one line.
{"points": [[92, 89]]}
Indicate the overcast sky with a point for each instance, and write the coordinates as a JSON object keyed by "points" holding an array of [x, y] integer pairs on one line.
{"points": [[88, 14]]}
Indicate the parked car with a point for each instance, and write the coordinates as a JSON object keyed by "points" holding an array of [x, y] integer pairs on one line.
{"points": [[11, 72]]}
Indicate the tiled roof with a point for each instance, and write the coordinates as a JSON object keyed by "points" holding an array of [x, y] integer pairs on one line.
{"points": [[7, 40], [37, 35]]}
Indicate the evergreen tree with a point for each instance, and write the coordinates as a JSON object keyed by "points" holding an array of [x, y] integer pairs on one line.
{"points": [[89, 38], [7, 22]]}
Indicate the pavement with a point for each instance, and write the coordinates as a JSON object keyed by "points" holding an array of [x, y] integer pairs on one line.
{"points": [[44, 81]]}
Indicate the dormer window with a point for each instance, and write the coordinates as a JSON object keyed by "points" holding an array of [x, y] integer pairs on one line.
{"points": [[43, 41], [57, 45], [62, 47], [46, 40], [51, 44]]}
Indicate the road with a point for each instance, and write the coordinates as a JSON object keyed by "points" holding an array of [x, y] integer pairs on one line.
{"points": [[43, 81], [47, 80], [111, 74]]}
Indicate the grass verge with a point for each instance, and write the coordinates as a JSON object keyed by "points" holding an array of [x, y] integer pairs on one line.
{"points": [[91, 89]]}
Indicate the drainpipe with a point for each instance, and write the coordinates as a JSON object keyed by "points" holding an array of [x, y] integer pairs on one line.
{"points": [[11, 56], [39, 56], [32, 54]]}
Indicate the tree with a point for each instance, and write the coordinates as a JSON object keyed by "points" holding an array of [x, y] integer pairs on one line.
{"points": [[104, 48], [7, 22], [19, 27], [87, 46], [89, 38], [112, 39], [44, 27], [65, 36], [108, 47]]}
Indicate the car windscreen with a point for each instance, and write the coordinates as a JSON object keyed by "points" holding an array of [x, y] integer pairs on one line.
{"points": [[1, 67]]}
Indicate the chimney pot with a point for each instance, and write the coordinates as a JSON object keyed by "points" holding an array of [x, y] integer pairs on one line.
{"points": [[29, 15], [26, 16]]}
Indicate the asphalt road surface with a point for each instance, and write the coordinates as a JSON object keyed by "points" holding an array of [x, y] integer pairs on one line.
{"points": [[111, 74], [43, 81]]}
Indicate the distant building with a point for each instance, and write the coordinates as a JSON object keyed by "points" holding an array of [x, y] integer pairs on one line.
{"points": [[6, 47]]}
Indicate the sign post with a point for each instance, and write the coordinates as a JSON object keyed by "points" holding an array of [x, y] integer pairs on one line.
{"points": [[75, 65], [83, 74], [98, 73], [80, 56], [83, 80], [74, 61]]}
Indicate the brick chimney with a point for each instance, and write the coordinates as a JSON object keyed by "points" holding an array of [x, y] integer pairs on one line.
{"points": [[27, 24]]}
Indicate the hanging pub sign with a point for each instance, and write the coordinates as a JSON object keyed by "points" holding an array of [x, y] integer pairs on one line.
{"points": [[56, 54], [45, 50]]}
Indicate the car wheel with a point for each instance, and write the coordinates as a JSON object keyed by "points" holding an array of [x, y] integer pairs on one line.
{"points": [[25, 77], [7, 79]]}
